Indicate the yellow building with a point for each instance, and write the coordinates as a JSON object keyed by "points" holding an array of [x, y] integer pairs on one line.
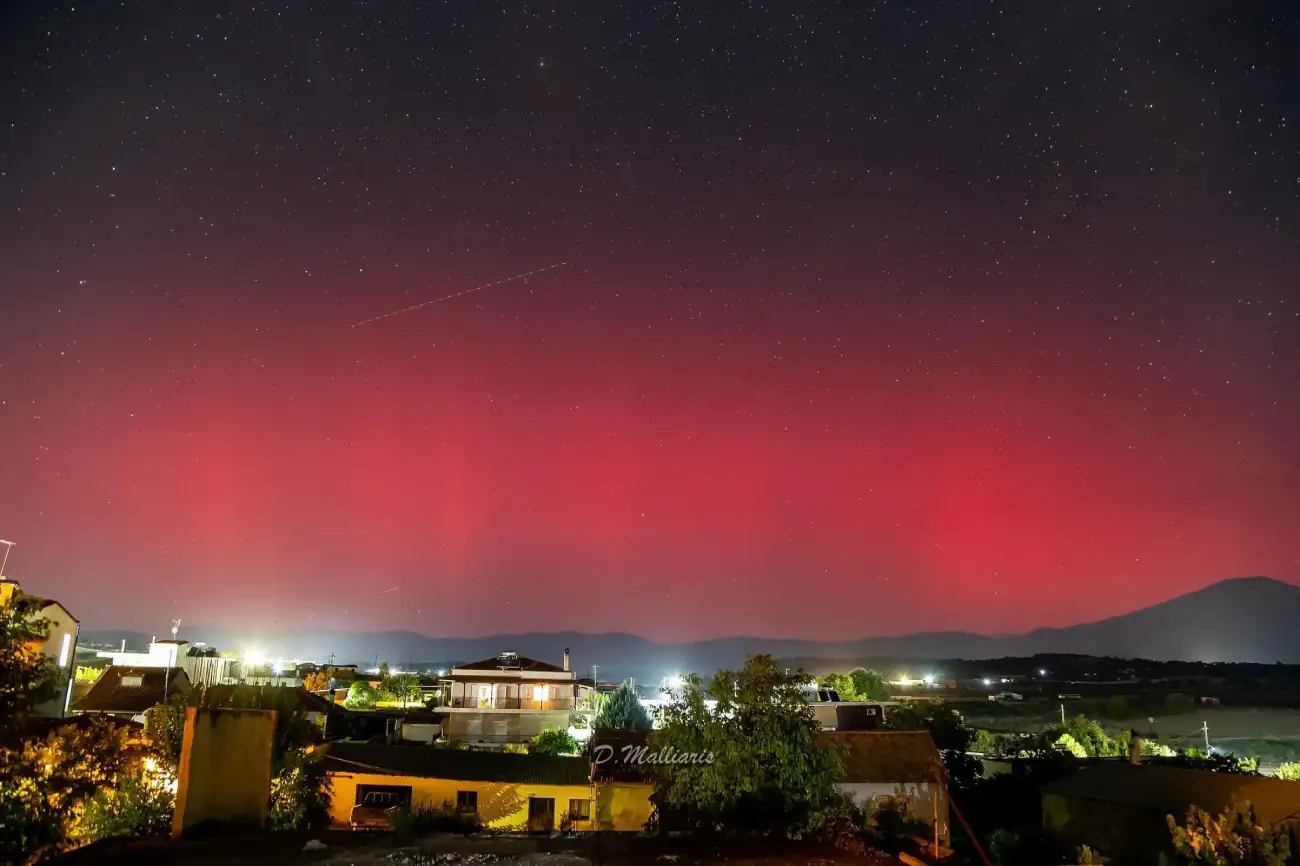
{"points": [[518, 793]]}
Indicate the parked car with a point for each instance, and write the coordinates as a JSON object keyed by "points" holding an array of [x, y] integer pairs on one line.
{"points": [[374, 812]]}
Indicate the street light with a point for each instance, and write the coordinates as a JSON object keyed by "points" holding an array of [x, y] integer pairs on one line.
{"points": [[9, 545]]}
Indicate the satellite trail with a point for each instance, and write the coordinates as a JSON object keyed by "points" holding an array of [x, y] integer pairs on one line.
{"points": [[458, 294]]}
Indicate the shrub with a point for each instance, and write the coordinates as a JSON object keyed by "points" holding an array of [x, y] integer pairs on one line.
{"points": [[554, 741], [360, 697], [137, 806], [300, 792], [1290, 771], [412, 822]]}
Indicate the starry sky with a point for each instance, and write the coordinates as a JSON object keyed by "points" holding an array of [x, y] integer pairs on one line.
{"points": [[856, 318]]}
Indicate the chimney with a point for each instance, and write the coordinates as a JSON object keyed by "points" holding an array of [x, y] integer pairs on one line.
{"points": [[566, 658], [1134, 747]]}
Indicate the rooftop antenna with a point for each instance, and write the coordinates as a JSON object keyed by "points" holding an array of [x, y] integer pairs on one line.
{"points": [[9, 545]]}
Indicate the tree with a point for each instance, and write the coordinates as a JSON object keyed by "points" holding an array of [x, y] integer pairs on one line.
{"points": [[361, 696], [554, 741], [1089, 735], [1177, 702], [752, 763], [404, 688], [317, 681], [622, 712], [47, 780], [869, 685], [1234, 838], [27, 678], [952, 736], [383, 673]]}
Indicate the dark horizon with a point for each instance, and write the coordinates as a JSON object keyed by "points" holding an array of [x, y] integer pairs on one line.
{"points": [[841, 321]]}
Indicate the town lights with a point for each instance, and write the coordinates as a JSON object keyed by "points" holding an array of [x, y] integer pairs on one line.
{"points": [[674, 682], [254, 657], [988, 682]]}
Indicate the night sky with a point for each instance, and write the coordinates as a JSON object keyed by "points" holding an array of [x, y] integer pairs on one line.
{"points": [[872, 318]]}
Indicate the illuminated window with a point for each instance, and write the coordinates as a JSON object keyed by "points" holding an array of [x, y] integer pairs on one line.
{"points": [[539, 693], [132, 681], [579, 810], [63, 650]]}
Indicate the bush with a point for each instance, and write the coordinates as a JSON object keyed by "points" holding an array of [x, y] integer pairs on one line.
{"points": [[360, 697], [137, 806], [409, 823], [300, 792], [554, 741], [1236, 836], [1290, 771]]}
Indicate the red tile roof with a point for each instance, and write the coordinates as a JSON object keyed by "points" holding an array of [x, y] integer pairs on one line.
{"points": [[110, 695]]}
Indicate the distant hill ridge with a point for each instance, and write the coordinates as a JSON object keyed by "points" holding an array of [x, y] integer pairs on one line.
{"points": [[1245, 619]]}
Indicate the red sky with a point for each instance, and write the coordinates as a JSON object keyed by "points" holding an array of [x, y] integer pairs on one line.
{"points": [[844, 347]]}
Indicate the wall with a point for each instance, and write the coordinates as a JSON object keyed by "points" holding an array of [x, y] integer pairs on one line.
{"points": [[501, 806], [920, 797], [62, 627], [225, 768], [623, 806]]}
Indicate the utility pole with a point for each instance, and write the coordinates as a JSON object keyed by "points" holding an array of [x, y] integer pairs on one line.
{"points": [[1062, 715], [9, 545], [1205, 729]]}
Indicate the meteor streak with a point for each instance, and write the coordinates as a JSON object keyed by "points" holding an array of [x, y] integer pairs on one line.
{"points": [[458, 294]]}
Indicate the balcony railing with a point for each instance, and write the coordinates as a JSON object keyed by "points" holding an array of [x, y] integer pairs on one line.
{"points": [[562, 705]]}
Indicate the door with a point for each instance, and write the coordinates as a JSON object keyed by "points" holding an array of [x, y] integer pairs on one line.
{"points": [[541, 814], [485, 695]]}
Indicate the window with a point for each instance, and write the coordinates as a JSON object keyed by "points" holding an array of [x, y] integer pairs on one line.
{"points": [[579, 810], [539, 693], [383, 796], [132, 682], [467, 802]]}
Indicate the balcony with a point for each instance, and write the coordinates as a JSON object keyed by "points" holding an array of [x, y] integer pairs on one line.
{"points": [[559, 705]]}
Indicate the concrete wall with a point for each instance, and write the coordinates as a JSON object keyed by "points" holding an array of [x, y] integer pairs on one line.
{"points": [[501, 806], [920, 797], [225, 768], [623, 806]]}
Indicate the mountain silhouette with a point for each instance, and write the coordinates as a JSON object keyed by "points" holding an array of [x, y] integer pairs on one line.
{"points": [[1247, 619]]}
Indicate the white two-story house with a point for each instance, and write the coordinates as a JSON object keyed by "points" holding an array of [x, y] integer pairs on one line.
{"points": [[510, 699]]}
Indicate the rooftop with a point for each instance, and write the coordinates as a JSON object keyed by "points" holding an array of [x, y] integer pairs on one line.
{"points": [[884, 756], [428, 762], [115, 691], [511, 662], [1173, 790]]}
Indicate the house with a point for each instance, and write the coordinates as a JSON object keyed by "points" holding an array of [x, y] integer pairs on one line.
{"points": [[1119, 808], [129, 692], [892, 769], [849, 715], [59, 645], [504, 791], [201, 663], [622, 779], [510, 699]]}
